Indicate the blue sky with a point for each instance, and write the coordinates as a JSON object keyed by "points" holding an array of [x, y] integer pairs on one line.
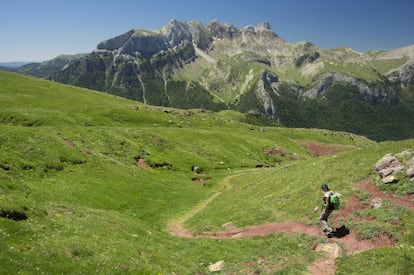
{"points": [[35, 30]]}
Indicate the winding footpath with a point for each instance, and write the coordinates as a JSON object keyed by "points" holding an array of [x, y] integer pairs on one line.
{"points": [[324, 265]]}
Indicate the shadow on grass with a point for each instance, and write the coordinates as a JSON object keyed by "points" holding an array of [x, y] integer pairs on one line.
{"points": [[341, 232]]}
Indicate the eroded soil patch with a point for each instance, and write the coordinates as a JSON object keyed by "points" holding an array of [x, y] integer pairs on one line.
{"points": [[324, 149]]}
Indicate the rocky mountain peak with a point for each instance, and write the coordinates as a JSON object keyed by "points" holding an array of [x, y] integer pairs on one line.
{"points": [[264, 26], [221, 30], [176, 31], [116, 42]]}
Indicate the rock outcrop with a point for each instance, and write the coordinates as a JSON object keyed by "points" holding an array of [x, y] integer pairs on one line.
{"points": [[266, 84], [389, 167], [372, 93]]}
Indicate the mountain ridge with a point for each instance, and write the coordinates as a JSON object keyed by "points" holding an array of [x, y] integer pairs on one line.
{"points": [[218, 66]]}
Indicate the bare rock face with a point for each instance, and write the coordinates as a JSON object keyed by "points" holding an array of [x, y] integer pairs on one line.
{"points": [[404, 74], [221, 30], [262, 92], [264, 26], [146, 46], [148, 43], [116, 42], [176, 32], [372, 94]]}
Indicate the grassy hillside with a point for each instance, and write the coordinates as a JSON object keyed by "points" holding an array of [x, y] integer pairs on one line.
{"points": [[89, 184]]}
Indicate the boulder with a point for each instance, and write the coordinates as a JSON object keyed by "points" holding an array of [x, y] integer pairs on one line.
{"points": [[390, 179], [216, 267], [332, 249], [388, 165], [376, 203]]}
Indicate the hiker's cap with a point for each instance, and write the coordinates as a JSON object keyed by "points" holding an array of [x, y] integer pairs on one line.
{"points": [[324, 187]]}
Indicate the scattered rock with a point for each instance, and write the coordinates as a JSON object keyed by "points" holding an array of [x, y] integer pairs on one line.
{"points": [[217, 267], [332, 249], [195, 169], [376, 203], [390, 179], [316, 209]]}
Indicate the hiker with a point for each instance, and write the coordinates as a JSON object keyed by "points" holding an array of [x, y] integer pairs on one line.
{"points": [[328, 207]]}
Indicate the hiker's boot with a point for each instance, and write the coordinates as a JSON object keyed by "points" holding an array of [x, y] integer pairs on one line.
{"points": [[327, 230]]}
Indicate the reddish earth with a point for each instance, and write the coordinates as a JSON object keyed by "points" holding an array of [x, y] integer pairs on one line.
{"points": [[321, 149], [70, 143], [350, 239], [406, 201], [201, 178], [326, 265], [141, 163]]}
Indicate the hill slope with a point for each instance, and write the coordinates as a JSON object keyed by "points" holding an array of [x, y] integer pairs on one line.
{"points": [[90, 182]]}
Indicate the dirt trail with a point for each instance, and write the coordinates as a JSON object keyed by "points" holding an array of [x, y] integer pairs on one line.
{"points": [[349, 239], [406, 201]]}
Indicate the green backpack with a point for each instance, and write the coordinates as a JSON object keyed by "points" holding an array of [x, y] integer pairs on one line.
{"points": [[334, 201]]}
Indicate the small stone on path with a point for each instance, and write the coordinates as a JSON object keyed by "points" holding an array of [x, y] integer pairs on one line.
{"points": [[216, 267]]}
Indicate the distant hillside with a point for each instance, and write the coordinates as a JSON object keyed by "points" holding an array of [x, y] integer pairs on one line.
{"points": [[252, 70], [43, 69]]}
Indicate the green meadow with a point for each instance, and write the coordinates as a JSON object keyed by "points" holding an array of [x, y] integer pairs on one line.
{"points": [[90, 182]]}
